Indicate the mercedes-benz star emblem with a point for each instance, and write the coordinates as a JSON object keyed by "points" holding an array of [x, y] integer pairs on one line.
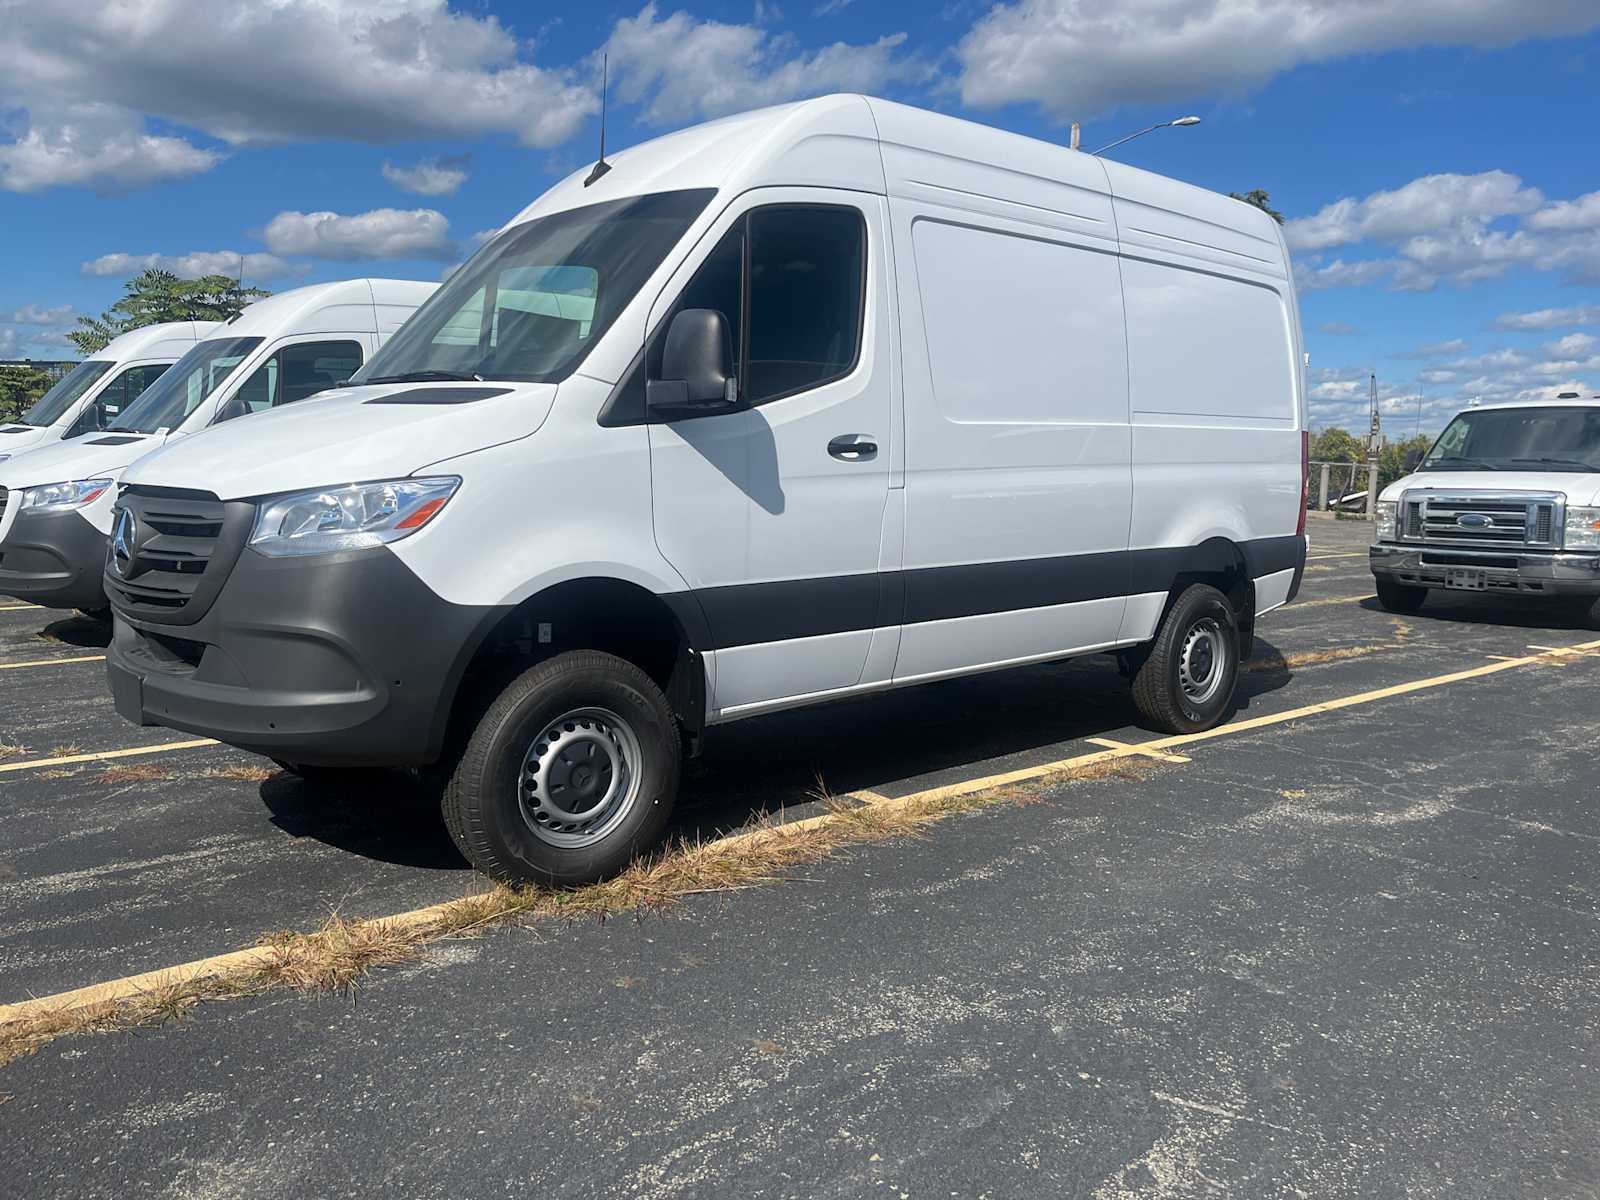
{"points": [[122, 543]]}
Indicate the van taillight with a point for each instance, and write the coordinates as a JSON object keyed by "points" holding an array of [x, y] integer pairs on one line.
{"points": [[1305, 479]]}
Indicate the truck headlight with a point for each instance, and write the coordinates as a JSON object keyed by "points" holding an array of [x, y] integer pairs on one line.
{"points": [[1388, 516], [1583, 529], [61, 497], [351, 517]]}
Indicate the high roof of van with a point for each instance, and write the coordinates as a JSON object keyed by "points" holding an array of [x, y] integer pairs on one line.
{"points": [[345, 306], [849, 141], [169, 339]]}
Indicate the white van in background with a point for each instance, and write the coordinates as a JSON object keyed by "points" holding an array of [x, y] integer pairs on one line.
{"points": [[822, 400], [95, 392], [55, 502], [1507, 501]]}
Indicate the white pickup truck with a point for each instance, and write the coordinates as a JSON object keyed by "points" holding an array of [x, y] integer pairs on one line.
{"points": [[1507, 501]]}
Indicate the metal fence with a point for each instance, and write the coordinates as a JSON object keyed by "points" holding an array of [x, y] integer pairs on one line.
{"points": [[1351, 487]]}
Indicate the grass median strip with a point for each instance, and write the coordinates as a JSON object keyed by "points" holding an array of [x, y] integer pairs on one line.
{"points": [[337, 955]]}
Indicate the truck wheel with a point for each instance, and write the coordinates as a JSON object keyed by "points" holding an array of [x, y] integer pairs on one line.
{"points": [[1187, 683], [1400, 597], [572, 771]]}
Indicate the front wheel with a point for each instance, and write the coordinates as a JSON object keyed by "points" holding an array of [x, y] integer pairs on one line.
{"points": [[1400, 597], [571, 773], [1187, 682]]}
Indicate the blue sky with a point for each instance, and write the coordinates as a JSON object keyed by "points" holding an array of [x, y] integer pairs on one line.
{"points": [[1437, 158]]}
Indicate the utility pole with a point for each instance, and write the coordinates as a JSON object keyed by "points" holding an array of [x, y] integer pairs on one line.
{"points": [[1374, 445]]}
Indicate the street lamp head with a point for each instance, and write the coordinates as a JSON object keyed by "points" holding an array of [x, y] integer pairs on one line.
{"points": [[1187, 121]]}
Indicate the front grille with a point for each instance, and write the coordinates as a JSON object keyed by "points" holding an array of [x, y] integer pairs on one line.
{"points": [[1481, 520], [5, 499], [183, 545]]}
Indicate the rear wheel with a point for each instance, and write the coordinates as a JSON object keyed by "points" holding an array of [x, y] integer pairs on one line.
{"points": [[571, 772], [1400, 597], [1186, 684]]}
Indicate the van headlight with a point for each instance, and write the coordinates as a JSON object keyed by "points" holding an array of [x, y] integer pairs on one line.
{"points": [[1388, 517], [351, 517], [1583, 529], [62, 497]]}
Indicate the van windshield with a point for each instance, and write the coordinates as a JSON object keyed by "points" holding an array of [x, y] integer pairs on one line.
{"points": [[49, 407], [1565, 438], [185, 385], [536, 298]]}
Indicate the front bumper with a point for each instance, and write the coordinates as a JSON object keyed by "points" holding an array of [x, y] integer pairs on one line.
{"points": [[53, 559], [1529, 572], [342, 660]]}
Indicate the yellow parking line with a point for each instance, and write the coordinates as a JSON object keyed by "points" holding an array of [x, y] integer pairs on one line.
{"points": [[18, 607], [1138, 749], [50, 662], [1297, 605], [869, 797], [34, 764], [1325, 557], [134, 985]]}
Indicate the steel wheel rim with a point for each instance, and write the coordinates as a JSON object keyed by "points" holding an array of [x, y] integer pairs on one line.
{"points": [[579, 778], [1203, 661]]}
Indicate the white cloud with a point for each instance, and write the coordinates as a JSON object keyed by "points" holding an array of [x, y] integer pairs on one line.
{"points": [[381, 233], [1439, 349], [1424, 206], [1315, 275], [431, 177], [257, 267], [1573, 346], [1550, 318], [1076, 58], [681, 68], [1568, 216], [88, 147], [1456, 229], [86, 76], [33, 314]]}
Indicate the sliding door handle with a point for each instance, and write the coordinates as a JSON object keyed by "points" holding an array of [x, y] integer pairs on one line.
{"points": [[854, 447]]}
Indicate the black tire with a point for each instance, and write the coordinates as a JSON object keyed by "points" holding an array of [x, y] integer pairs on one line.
{"points": [[1400, 597], [1211, 672], [515, 833]]}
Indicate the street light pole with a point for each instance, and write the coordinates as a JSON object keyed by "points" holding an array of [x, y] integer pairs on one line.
{"points": [[1180, 121]]}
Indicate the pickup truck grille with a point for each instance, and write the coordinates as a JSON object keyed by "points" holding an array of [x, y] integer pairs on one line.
{"points": [[1481, 520], [171, 551]]}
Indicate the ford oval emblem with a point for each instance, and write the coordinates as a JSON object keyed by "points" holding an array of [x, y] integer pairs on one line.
{"points": [[1474, 521]]}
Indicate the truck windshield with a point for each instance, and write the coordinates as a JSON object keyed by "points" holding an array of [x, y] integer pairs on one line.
{"points": [[1563, 438], [49, 407], [536, 298], [185, 385]]}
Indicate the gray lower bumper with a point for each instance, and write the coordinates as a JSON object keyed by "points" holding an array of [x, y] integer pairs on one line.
{"points": [[1536, 574]]}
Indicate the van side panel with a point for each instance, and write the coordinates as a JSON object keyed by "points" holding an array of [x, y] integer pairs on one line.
{"points": [[1215, 387], [1017, 442]]}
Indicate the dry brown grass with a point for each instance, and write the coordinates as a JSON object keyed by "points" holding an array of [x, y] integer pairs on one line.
{"points": [[65, 749], [239, 772], [9, 751], [152, 772], [134, 773], [336, 956]]}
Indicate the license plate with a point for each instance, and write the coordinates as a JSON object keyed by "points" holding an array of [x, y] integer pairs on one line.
{"points": [[1468, 579]]}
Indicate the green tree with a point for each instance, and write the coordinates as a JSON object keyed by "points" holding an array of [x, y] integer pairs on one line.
{"points": [[1257, 198], [154, 296], [19, 388], [1391, 461], [1337, 445]]}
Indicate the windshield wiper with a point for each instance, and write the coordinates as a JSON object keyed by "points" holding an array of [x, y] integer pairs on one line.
{"points": [[1559, 462], [1456, 458], [424, 377]]}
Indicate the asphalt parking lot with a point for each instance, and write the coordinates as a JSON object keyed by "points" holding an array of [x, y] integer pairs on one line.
{"points": [[1350, 952]]}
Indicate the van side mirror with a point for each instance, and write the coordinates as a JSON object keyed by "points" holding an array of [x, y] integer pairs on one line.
{"points": [[697, 377], [1412, 461]]}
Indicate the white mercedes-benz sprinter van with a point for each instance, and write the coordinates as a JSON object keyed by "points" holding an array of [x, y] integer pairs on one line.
{"points": [[1507, 501], [55, 501], [816, 401], [95, 391]]}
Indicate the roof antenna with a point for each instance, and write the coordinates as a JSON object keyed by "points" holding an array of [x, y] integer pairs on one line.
{"points": [[602, 167]]}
